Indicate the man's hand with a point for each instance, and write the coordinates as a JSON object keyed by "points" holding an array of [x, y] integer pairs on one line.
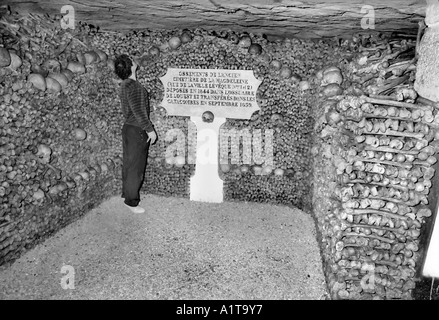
{"points": [[152, 136]]}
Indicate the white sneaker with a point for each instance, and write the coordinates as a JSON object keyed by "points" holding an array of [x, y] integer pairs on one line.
{"points": [[136, 209]]}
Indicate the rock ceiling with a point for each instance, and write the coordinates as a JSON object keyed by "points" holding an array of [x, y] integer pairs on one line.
{"points": [[283, 18]]}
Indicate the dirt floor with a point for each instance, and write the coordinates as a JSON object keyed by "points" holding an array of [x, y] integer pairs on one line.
{"points": [[178, 249]]}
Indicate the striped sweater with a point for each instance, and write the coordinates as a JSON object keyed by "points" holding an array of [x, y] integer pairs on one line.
{"points": [[134, 101]]}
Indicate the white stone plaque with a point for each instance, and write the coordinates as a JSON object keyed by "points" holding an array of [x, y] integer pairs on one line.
{"points": [[225, 93]]}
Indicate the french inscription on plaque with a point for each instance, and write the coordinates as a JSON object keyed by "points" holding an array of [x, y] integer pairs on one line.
{"points": [[226, 93]]}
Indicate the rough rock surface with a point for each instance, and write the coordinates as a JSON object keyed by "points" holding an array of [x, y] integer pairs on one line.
{"points": [[306, 19], [427, 72], [178, 249], [427, 81]]}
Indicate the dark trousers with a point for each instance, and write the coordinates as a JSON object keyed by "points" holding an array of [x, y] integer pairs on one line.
{"points": [[135, 152]]}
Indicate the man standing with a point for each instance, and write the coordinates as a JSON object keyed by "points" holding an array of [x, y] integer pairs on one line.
{"points": [[137, 132]]}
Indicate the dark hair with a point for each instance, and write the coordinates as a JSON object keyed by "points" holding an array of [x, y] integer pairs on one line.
{"points": [[122, 66]]}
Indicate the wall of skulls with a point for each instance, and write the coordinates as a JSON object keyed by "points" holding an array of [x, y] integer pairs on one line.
{"points": [[351, 141]]}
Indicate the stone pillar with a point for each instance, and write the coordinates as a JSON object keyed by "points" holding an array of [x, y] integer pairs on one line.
{"points": [[427, 73], [427, 85]]}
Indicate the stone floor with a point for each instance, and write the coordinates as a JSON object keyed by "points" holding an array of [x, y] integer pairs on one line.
{"points": [[178, 249]]}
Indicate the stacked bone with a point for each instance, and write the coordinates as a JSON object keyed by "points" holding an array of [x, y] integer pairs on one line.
{"points": [[386, 153], [55, 150], [384, 63], [34, 74], [380, 148], [76, 130], [284, 98]]}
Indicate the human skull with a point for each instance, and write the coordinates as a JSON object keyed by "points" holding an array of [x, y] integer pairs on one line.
{"points": [[104, 168], [85, 175], [208, 116], [77, 178], [276, 118], [332, 75], [92, 172], [52, 65], [44, 153]]}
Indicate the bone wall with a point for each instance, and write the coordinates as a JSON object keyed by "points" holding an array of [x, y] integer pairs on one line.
{"points": [[59, 95], [59, 98]]}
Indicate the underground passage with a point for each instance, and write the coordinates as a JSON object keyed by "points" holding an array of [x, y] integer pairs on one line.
{"points": [[288, 151]]}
